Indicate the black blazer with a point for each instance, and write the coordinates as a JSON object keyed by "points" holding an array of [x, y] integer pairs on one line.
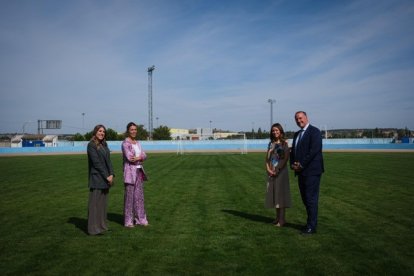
{"points": [[100, 166], [309, 152]]}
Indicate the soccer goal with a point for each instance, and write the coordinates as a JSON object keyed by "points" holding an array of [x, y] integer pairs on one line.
{"points": [[236, 144]]}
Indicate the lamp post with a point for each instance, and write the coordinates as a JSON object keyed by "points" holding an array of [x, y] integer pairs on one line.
{"points": [[156, 118], [150, 127], [271, 101], [83, 120]]}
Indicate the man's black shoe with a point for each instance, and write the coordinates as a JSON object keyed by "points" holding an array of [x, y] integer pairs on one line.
{"points": [[308, 231]]}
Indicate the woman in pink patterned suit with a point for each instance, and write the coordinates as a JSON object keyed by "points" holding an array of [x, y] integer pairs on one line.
{"points": [[134, 177]]}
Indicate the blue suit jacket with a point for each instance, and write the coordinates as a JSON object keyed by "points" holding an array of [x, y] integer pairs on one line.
{"points": [[309, 152]]}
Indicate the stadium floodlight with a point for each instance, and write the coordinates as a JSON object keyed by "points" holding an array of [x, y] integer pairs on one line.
{"points": [[271, 101], [150, 120], [83, 120]]}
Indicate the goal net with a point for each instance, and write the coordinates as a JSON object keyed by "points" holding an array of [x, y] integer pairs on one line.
{"points": [[234, 144]]}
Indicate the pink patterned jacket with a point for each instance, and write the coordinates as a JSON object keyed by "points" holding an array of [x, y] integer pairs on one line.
{"points": [[130, 168]]}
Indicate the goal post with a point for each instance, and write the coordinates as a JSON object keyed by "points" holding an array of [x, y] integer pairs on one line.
{"points": [[235, 144]]}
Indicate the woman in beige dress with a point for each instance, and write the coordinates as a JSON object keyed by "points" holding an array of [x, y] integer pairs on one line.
{"points": [[278, 190]]}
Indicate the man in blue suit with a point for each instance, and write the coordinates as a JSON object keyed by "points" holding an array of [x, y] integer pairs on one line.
{"points": [[307, 161]]}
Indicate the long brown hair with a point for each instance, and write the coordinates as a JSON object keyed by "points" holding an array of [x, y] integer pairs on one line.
{"points": [[95, 140], [282, 133]]}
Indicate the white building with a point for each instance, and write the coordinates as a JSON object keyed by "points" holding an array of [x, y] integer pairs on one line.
{"points": [[179, 133], [17, 141], [30, 140], [50, 140]]}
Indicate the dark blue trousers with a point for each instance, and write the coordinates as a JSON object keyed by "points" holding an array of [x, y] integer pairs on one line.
{"points": [[309, 191]]}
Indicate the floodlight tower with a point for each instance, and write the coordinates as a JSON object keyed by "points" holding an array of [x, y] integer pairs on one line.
{"points": [[271, 101], [150, 121], [83, 120]]}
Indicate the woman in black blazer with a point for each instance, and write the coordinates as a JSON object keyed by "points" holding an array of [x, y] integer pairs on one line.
{"points": [[101, 176]]}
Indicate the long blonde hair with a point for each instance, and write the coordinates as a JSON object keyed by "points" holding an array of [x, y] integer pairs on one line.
{"points": [[96, 140]]}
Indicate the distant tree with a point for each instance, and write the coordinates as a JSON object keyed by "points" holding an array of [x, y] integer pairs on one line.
{"points": [[88, 136], [348, 134], [377, 133], [78, 137], [401, 133], [121, 136], [262, 134], [353, 134], [367, 133], [161, 133], [142, 133], [259, 133], [407, 132], [289, 134], [111, 135], [250, 135]]}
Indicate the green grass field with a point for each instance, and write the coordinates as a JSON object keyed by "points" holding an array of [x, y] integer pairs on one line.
{"points": [[206, 217]]}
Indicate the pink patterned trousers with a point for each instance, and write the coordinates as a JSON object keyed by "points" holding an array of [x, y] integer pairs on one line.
{"points": [[134, 210]]}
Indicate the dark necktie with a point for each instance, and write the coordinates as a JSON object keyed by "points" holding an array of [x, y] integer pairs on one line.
{"points": [[300, 135], [298, 139]]}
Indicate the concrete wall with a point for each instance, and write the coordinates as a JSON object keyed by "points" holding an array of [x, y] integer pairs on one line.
{"points": [[214, 145]]}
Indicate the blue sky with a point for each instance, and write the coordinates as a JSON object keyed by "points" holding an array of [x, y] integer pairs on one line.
{"points": [[349, 64]]}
